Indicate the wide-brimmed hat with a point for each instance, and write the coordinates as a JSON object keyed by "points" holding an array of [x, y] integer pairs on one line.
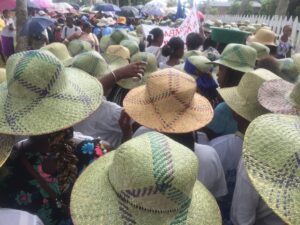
{"points": [[271, 148], [110, 21], [102, 22], [105, 42], [2, 75], [76, 47], [6, 145], [119, 35], [132, 46], [41, 96], [227, 36], [192, 53], [280, 96], [150, 179], [261, 50], [118, 50], [168, 103], [195, 64], [60, 51], [288, 69], [151, 67], [296, 58], [264, 36], [238, 57], [92, 63], [243, 98], [116, 56]]}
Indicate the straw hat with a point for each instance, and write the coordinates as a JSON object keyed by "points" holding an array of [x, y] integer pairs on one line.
{"points": [[92, 63], [76, 47], [60, 51], [288, 69], [280, 96], [151, 67], [119, 35], [271, 150], [264, 36], [116, 56], [132, 46], [6, 144], [168, 103], [111, 21], [2, 75], [105, 42], [102, 22], [238, 57], [261, 50], [118, 50], [150, 179], [192, 53], [41, 96], [227, 36], [296, 58], [243, 98], [195, 64]]}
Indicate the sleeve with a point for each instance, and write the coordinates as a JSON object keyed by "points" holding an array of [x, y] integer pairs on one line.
{"points": [[245, 199], [63, 31]]}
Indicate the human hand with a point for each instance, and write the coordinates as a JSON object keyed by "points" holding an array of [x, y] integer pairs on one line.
{"points": [[135, 69]]}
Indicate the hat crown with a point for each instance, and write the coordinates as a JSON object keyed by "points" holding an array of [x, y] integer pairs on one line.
{"points": [[154, 173], [201, 63], [34, 74], [58, 49], [147, 57], [76, 47], [118, 35], [250, 83], [265, 36], [295, 94], [132, 46], [118, 50]]}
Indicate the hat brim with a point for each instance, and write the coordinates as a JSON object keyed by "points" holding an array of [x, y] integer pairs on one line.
{"points": [[273, 95], [131, 83], [141, 109], [114, 62], [270, 154], [253, 39], [244, 69], [94, 201], [68, 62], [6, 142], [81, 96], [248, 110]]}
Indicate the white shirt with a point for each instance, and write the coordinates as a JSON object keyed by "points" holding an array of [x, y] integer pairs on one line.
{"points": [[6, 31], [210, 171], [248, 208], [18, 217], [157, 52], [68, 32], [103, 123]]}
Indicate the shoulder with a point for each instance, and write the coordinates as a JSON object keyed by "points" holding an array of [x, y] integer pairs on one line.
{"points": [[206, 153], [226, 141]]}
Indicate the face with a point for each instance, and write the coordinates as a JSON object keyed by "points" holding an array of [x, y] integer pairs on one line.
{"points": [[160, 40], [69, 22], [287, 31], [222, 76], [88, 30]]}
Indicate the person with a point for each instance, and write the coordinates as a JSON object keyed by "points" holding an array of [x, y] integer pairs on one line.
{"points": [[88, 36], [243, 102], [69, 29], [7, 34], [14, 217], [270, 63], [209, 49], [174, 49], [155, 40], [268, 162], [155, 184], [193, 44], [43, 168], [176, 110], [285, 46]]}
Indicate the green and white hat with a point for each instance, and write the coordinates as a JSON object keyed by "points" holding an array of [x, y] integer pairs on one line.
{"points": [[288, 69], [105, 42], [92, 63], [238, 57], [261, 50], [192, 53], [195, 65], [296, 58], [76, 47], [271, 159], [150, 179], [243, 99], [60, 51], [132, 46], [41, 96], [116, 56], [151, 67]]}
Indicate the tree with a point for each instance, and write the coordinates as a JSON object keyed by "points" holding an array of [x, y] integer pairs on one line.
{"points": [[268, 7], [21, 14], [243, 7], [282, 7]]}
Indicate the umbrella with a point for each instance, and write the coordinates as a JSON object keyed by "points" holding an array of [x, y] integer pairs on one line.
{"points": [[36, 25], [139, 7], [75, 6], [155, 8], [61, 7], [11, 4], [129, 11], [103, 7]]}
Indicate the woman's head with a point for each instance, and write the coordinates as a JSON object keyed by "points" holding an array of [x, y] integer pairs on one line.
{"points": [[87, 27], [193, 41], [287, 30], [228, 77], [209, 43], [155, 37], [174, 48], [270, 63]]}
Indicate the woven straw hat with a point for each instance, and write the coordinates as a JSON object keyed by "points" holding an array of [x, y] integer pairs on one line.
{"points": [[132, 46], [197, 63], [150, 68], [264, 36], [150, 179], [116, 56], [296, 58], [119, 35], [238, 57], [288, 69], [243, 98], [105, 42], [111, 21], [102, 22], [118, 50], [2, 75], [60, 51], [271, 158], [261, 50], [92, 63], [192, 53], [76, 47], [280, 96], [41, 96], [6, 144], [168, 103]]}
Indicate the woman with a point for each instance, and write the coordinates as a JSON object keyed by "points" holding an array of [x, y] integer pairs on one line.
{"points": [[44, 167], [285, 44], [155, 40], [174, 50], [7, 34]]}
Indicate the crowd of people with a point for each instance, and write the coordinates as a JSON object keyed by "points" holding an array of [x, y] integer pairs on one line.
{"points": [[101, 123]]}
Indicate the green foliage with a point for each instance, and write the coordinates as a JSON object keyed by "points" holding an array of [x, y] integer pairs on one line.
{"points": [[234, 8], [268, 7], [212, 10]]}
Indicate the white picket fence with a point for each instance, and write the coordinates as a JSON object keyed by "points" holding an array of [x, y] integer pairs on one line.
{"points": [[275, 22]]}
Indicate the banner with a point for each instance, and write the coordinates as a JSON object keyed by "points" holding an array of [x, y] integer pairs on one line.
{"points": [[190, 24]]}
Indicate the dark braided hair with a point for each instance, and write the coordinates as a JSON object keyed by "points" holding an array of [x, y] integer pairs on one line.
{"points": [[154, 34]]}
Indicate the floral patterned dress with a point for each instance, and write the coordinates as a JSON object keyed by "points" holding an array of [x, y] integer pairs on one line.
{"points": [[19, 189]]}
